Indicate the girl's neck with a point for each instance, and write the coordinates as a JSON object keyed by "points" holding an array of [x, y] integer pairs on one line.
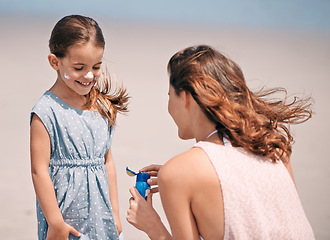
{"points": [[69, 97]]}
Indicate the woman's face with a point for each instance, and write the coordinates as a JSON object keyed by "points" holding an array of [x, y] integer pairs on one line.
{"points": [[81, 67], [177, 110]]}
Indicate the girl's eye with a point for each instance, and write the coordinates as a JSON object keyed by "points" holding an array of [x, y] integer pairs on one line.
{"points": [[79, 69], [96, 68]]}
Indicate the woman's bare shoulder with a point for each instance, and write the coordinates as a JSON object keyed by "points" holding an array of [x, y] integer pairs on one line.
{"points": [[183, 165]]}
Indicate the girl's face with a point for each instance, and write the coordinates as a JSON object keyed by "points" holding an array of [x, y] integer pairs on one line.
{"points": [[81, 67], [178, 111]]}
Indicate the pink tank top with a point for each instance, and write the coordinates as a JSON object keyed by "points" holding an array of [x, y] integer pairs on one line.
{"points": [[260, 198]]}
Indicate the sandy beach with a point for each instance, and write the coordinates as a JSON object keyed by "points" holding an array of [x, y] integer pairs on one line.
{"points": [[137, 55]]}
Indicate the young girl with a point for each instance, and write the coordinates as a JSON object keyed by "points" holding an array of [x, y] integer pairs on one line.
{"points": [[236, 182], [71, 131]]}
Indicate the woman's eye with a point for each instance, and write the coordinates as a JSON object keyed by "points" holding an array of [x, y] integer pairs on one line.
{"points": [[79, 69], [96, 68]]}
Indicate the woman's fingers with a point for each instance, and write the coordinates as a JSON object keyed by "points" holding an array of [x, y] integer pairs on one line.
{"points": [[153, 169], [154, 190], [152, 173], [135, 194], [152, 181], [149, 198]]}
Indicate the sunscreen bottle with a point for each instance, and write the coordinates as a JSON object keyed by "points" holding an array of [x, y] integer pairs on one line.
{"points": [[141, 182]]}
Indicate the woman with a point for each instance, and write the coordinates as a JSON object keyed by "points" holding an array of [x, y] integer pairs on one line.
{"points": [[236, 182]]}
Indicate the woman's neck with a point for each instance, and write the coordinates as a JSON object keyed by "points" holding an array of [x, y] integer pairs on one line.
{"points": [[206, 131], [201, 126]]}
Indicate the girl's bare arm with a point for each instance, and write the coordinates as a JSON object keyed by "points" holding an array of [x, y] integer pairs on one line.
{"points": [[40, 156], [113, 190]]}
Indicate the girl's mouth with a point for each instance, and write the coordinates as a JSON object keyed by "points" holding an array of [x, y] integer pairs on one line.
{"points": [[84, 84]]}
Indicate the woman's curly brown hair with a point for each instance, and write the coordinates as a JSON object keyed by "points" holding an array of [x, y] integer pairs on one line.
{"points": [[249, 120]]}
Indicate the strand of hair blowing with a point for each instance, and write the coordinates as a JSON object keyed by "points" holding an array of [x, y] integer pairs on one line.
{"points": [[249, 120], [106, 100]]}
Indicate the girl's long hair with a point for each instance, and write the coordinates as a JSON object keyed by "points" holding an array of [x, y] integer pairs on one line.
{"points": [[248, 119], [76, 29], [107, 100]]}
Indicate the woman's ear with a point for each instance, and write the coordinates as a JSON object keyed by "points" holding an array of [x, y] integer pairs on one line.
{"points": [[188, 100], [185, 97], [53, 61]]}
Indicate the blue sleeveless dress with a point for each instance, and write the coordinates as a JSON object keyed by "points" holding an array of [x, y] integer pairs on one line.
{"points": [[79, 141]]}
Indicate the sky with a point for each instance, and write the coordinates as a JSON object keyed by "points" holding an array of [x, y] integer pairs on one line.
{"points": [[289, 14]]}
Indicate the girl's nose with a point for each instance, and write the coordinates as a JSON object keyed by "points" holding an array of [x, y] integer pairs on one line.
{"points": [[89, 75]]}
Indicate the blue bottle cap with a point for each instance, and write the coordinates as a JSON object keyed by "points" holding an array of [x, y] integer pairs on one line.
{"points": [[142, 177]]}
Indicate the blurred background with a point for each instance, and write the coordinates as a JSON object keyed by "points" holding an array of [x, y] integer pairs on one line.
{"points": [[283, 43]]}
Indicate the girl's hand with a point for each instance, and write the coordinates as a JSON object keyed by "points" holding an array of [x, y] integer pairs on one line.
{"points": [[61, 232], [152, 170]]}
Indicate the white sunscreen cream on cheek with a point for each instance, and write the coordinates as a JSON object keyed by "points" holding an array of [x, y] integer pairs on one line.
{"points": [[66, 76], [89, 75]]}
